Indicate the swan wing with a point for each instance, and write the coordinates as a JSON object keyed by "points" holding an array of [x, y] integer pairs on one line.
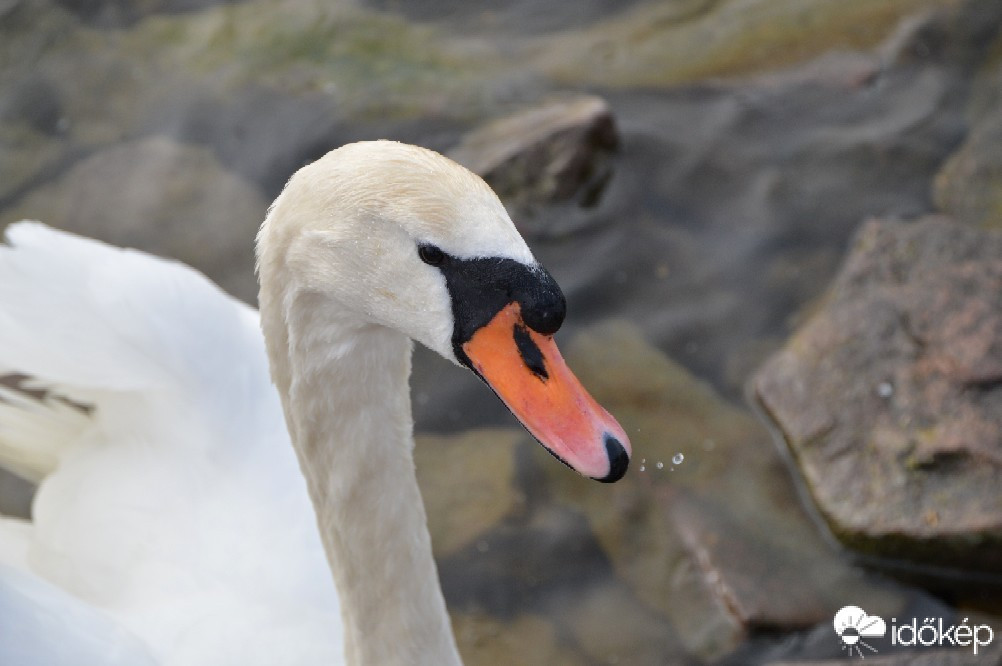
{"points": [[34, 612], [171, 501]]}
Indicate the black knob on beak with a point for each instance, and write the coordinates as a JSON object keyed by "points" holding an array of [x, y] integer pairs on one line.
{"points": [[543, 304]]}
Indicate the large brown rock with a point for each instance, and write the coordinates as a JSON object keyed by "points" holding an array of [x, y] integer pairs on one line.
{"points": [[890, 397]]}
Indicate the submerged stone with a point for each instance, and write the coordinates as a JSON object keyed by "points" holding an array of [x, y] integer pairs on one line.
{"points": [[527, 639], [160, 196], [468, 484], [554, 152], [969, 186], [720, 546]]}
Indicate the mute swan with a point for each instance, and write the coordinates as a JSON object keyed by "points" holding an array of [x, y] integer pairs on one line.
{"points": [[171, 524]]}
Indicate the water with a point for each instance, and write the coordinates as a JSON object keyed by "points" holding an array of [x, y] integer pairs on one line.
{"points": [[676, 460]]}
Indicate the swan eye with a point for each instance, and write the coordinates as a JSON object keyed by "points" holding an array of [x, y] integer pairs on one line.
{"points": [[431, 255]]}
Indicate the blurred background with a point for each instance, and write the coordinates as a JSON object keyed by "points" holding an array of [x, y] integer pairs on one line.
{"points": [[776, 225]]}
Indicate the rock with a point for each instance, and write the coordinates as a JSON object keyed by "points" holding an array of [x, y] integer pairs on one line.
{"points": [[166, 198], [527, 639], [555, 152], [120, 13], [269, 87], [748, 559], [890, 397], [34, 102], [717, 543], [953, 35], [544, 558], [665, 412], [468, 484], [612, 626], [666, 43], [519, 16], [928, 657], [969, 186], [524, 578]]}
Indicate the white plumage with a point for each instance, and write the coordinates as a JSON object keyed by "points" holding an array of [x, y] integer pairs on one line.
{"points": [[215, 557]]}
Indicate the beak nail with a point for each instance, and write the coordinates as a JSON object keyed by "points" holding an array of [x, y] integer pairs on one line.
{"points": [[619, 460]]}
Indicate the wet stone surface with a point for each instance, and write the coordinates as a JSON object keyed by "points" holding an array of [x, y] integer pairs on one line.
{"points": [[891, 395], [552, 153], [718, 543]]}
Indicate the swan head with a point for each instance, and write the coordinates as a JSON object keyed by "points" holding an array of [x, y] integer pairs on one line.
{"points": [[392, 235]]}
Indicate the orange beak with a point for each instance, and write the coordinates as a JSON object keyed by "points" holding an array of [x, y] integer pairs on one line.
{"points": [[530, 376]]}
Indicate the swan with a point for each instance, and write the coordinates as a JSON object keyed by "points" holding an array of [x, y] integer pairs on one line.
{"points": [[173, 522]]}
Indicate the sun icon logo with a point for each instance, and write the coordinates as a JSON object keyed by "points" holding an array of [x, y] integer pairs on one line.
{"points": [[852, 624]]}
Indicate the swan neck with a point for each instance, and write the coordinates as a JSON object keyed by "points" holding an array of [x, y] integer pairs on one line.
{"points": [[349, 413]]}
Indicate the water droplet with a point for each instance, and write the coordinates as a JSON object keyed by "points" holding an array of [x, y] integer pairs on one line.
{"points": [[642, 468], [661, 465], [885, 389], [678, 458]]}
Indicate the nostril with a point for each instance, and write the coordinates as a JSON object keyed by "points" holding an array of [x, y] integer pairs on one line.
{"points": [[619, 460]]}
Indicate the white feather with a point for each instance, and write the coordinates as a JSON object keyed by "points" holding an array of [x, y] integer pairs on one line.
{"points": [[175, 510], [34, 431], [35, 613]]}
